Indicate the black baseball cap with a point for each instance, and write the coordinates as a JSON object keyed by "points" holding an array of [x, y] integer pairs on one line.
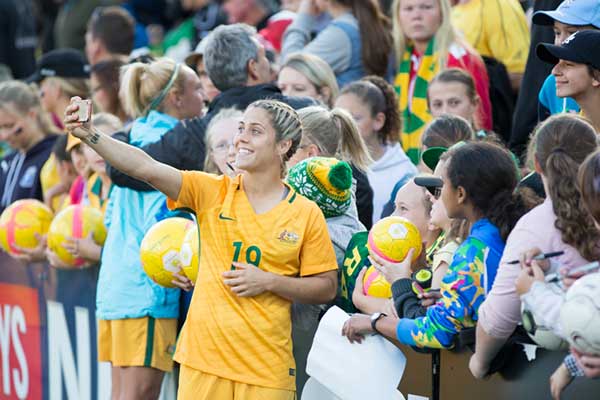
{"points": [[61, 63], [582, 47], [429, 182]]}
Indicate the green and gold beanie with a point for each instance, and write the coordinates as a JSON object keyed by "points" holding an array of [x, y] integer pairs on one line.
{"points": [[326, 181]]}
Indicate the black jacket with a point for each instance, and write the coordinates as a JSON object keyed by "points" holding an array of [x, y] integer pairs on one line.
{"points": [[526, 112], [406, 302], [364, 197], [183, 146], [20, 173]]}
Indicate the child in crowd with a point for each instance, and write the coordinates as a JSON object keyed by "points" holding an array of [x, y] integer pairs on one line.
{"points": [[98, 188], [577, 70], [373, 104], [413, 203], [439, 135], [570, 16], [56, 196], [219, 141], [453, 92]]}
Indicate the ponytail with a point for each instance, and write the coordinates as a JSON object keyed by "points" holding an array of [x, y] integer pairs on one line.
{"points": [[393, 124], [144, 86], [507, 207], [379, 97], [561, 144], [352, 146], [335, 134]]}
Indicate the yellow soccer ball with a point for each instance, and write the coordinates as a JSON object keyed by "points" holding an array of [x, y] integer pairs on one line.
{"points": [[20, 222], [391, 238], [375, 285], [159, 251], [76, 221], [189, 253]]}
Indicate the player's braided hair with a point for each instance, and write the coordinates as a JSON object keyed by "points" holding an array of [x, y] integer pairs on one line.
{"points": [[285, 121]]}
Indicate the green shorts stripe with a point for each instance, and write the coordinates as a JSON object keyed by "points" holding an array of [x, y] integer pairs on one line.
{"points": [[149, 342]]}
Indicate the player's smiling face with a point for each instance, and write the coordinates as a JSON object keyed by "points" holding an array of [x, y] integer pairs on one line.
{"points": [[255, 142]]}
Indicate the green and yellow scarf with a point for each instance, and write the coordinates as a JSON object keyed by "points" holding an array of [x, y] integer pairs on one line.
{"points": [[416, 114]]}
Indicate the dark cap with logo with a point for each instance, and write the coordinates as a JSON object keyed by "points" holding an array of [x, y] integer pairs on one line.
{"points": [[61, 63], [582, 47]]}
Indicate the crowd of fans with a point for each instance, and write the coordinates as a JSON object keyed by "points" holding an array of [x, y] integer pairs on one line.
{"points": [[476, 120]]}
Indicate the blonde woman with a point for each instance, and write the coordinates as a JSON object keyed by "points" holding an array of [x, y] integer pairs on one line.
{"points": [[137, 318], [425, 43], [308, 75], [263, 246], [219, 141]]}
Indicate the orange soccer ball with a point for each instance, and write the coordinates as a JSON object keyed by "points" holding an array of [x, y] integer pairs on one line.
{"points": [[20, 222]]}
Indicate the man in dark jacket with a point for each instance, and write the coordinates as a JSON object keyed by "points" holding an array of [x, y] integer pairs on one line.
{"points": [[237, 65]]}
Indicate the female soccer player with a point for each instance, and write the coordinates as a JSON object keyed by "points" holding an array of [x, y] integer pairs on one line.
{"points": [[263, 246]]}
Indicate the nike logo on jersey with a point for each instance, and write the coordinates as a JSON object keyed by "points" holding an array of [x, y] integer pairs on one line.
{"points": [[221, 216]]}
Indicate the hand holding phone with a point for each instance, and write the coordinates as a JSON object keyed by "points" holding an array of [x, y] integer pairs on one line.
{"points": [[84, 112]]}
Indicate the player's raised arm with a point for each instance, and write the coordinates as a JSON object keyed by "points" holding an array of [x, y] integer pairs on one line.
{"points": [[127, 158]]}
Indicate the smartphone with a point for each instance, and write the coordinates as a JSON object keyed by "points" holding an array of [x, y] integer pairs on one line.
{"points": [[84, 113]]}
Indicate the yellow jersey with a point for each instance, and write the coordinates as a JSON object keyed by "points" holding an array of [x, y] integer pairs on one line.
{"points": [[495, 28], [243, 339], [94, 193], [49, 178]]}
